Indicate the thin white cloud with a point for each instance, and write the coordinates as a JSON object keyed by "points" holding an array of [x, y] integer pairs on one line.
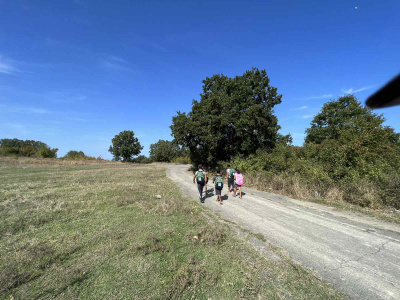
{"points": [[301, 108], [64, 96], [324, 96], [12, 129], [22, 109], [7, 66], [77, 119], [307, 116], [115, 63], [353, 91]]}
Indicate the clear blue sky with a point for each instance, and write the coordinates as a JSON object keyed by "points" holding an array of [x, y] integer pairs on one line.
{"points": [[74, 73]]}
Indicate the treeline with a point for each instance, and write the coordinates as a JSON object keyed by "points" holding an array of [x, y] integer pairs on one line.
{"points": [[348, 154], [31, 148], [165, 151], [126, 147], [169, 151], [28, 148]]}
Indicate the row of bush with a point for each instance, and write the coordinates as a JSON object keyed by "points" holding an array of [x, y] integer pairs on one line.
{"points": [[31, 148], [298, 172], [162, 151], [28, 148], [79, 155]]}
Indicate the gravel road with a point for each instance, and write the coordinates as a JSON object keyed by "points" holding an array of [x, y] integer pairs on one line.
{"points": [[359, 255]]}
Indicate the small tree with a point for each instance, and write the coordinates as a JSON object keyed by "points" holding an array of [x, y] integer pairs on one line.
{"points": [[124, 146], [164, 150], [73, 154], [47, 152]]}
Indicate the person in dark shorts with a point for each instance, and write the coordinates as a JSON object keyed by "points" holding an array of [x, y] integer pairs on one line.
{"points": [[200, 177], [219, 184], [230, 176]]}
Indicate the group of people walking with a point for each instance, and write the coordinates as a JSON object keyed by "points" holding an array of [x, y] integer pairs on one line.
{"points": [[233, 176]]}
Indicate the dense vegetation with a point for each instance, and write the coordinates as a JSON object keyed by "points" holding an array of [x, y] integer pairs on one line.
{"points": [[168, 151], [348, 153], [28, 148]]}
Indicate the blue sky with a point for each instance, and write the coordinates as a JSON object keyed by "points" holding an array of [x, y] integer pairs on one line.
{"points": [[74, 73]]}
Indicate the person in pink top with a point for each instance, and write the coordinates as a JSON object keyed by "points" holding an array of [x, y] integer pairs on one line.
{"points": [[238, 183]]}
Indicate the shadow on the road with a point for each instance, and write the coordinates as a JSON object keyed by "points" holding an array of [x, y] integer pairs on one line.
{"points": [[209, 194]]}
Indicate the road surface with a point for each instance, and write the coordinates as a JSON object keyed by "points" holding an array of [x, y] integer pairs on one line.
{"points": [[359, 255]]}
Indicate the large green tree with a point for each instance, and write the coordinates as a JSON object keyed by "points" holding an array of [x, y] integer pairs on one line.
{"points": [[233, 117], [352, 141], [125, 146], [346, 117]]}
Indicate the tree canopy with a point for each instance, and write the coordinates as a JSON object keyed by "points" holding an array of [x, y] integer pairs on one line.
{"points": [[352, 141], [345, 118], [125, 146], [233, 117]]}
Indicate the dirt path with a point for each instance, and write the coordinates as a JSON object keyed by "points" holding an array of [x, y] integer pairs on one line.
{"points": [[359, 255]]}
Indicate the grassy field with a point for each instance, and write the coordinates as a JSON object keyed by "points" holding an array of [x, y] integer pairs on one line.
{"points": [[95, 230]]}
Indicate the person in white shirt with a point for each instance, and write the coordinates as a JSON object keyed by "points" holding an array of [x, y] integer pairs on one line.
{"points": [[230, 174]]}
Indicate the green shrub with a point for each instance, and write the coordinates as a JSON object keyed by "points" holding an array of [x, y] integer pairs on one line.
{"points": [[47, 152], [77, 155], [141, 159]]}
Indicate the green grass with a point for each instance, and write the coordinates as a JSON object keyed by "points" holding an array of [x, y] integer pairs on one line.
{"points": [[96, 230]]}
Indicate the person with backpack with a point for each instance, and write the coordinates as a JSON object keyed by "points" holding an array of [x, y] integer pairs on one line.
{"points": [[200, 177], [219, 184], [238, 183], [230, 174]]}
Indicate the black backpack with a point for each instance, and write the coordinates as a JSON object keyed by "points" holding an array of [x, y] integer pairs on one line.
{"points": [[200, 177], [219, 182]]}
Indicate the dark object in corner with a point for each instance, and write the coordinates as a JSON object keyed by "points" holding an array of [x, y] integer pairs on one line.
{"points": [[387, 96]]}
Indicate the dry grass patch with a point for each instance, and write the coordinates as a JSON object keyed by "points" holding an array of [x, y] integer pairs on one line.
{"points": [[359, 198]]}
